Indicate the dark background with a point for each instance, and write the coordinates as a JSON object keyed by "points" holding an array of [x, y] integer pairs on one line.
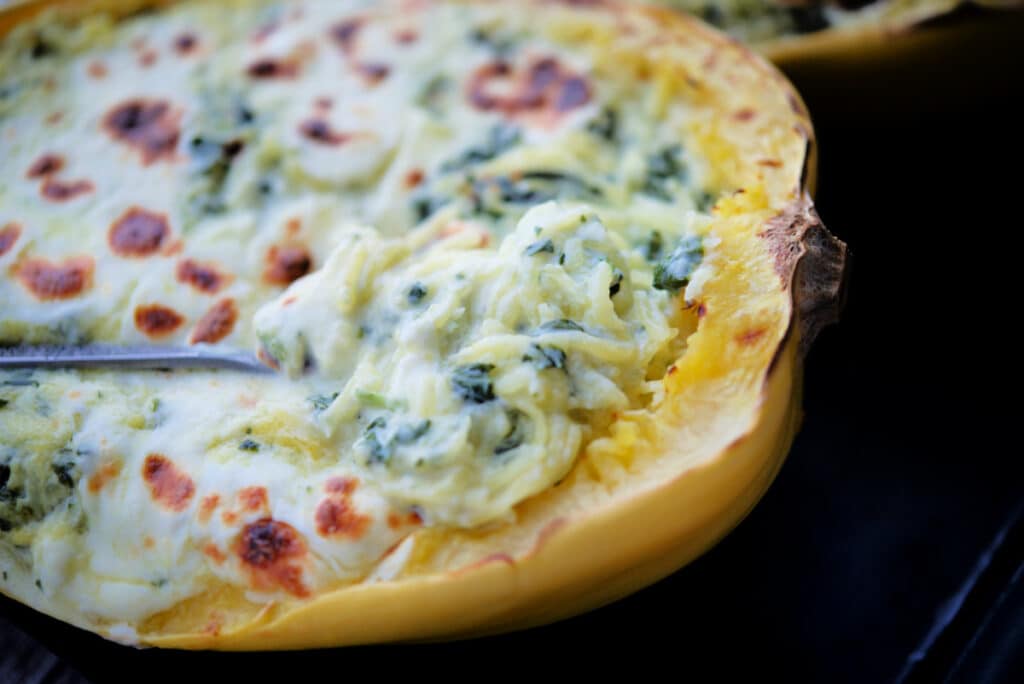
{"points": [[891, 547]]}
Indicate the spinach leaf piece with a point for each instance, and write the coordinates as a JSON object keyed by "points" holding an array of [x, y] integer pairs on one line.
{"points": [[674, 272], [473, 384]]}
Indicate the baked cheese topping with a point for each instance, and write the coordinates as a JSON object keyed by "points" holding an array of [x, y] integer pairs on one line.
{"points": [[468, 244]]}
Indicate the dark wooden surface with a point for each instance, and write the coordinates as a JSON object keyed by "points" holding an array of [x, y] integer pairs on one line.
{"points": [[890, 547]]}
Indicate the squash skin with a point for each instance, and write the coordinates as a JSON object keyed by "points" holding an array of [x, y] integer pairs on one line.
{"points": [[581, 562]]}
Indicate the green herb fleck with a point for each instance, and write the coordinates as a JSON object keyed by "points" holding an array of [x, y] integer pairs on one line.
{"points": [[653, 248], [472, 383], [545, 356], [407, 434], [499, 139], [249, 445], [416, 293], [561, 324], [674, 272], [616, 285], [605, 125], [514, 437], [63, 473], [540, 246], [322, 401], [380, 450], [662, 167]]}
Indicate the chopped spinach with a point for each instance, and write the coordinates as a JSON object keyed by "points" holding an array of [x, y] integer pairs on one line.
{"points": [[472, 383], [4, 403], [224, 126], [605, 125], [425, 207], [41, 48], [322, 401], [500, 45], [380, 447], [515, 435], [540, 246], [409, 433], [663, 167], [380, 450], [674, 272], [63, 472], [416, 293], [500, 138], [545, 356], [653, 247], [616, 284], [704, 201], [560, 324], [430, 97]]}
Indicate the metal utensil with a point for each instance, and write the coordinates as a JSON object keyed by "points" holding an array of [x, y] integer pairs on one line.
{"points": [[125, 357]]}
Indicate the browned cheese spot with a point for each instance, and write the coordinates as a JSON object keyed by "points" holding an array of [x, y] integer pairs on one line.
{"points": [[272, 68], [9, 234], [204, 277], [216, 324], [138, 233], [406, 36], [148, 126], [270, 550], [46, 166], [346, 33], [213, 552], [545, 85], [207, 506], [63, 191], [373, 73], [413, 178], [97, 69], [336, 515], [286, 264], [253, 499], [744, 115], [185, 43], [319, 131], [169, 486], [107, 471], [48, 280], [155, 320]]}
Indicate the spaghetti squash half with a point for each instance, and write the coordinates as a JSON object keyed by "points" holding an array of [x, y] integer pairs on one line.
{"points": [[536, 277]]}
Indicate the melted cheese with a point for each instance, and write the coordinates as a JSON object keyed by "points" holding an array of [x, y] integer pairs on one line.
{"points": [[500, 233]]}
